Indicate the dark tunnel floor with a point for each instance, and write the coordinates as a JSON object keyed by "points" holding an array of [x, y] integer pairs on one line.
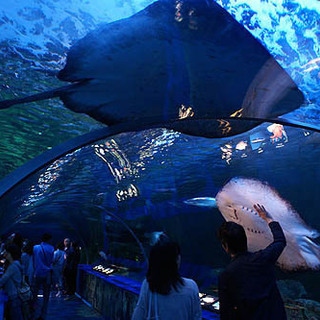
{"points": [[70, 309]]}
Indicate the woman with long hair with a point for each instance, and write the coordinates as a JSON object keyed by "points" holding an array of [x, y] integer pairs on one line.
{"points": [[164, 294]]}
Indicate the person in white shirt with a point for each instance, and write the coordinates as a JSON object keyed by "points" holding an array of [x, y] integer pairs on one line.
{"points": [[164, 293], [59, 257]]}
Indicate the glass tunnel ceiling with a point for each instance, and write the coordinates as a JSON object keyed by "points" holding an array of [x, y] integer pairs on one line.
{"points": [[36, 36], [132, 173], [34, 49], [119, 192], [116, 192]]}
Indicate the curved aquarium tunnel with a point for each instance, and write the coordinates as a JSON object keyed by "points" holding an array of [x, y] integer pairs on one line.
{"points": [[120, 191]]}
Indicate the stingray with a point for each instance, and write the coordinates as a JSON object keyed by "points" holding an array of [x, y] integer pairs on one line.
{"points": [[174, 60], [235, 202]]}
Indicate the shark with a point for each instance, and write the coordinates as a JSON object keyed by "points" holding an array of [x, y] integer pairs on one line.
{"points": [[235, 201]]}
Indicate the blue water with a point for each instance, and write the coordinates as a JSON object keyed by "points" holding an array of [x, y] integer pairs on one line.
{"points": [[145, 178], [290, 31], [35, 38]]}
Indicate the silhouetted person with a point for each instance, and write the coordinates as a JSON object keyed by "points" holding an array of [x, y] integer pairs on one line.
{"points": [[66, 243], [11, 281], [75, 259], [27, 262], [16, 238], [42, 260], [28, 272], [58, 264], [165, 294], [68, 267], [247, 287]]}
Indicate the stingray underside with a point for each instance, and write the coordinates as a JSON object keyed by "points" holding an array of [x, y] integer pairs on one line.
{"points": [[165, 59], [301, 251]]}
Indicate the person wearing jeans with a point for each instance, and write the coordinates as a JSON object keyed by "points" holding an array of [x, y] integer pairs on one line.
{"points": [[42, 260]]}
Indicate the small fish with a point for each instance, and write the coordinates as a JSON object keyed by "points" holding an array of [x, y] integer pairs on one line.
{"points": [[202, 202], [235, 202]]}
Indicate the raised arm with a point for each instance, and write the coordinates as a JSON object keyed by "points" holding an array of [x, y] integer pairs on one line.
{"points": [[274, 250]]}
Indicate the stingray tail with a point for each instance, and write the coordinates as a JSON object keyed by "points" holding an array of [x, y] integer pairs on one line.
{"points": [[54, 93]]}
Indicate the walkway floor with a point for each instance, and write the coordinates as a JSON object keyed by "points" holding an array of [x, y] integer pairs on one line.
{"points": [[70, 309]]}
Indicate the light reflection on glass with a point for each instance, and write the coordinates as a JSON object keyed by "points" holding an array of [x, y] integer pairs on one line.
{"points": [[278, 133], [271, 136], [190, 16], [178, 15], [116, 160], [185, 112], [106, 271], [155, 143], [242, 145], [311, 65], [131, 192], [237, 114], [47, 178], [121, 167], [208, 301], [225, 126], [226, 153], [193, 24]]}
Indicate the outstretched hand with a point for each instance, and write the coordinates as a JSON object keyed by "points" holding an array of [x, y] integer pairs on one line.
{"points": [[262, 212]]}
